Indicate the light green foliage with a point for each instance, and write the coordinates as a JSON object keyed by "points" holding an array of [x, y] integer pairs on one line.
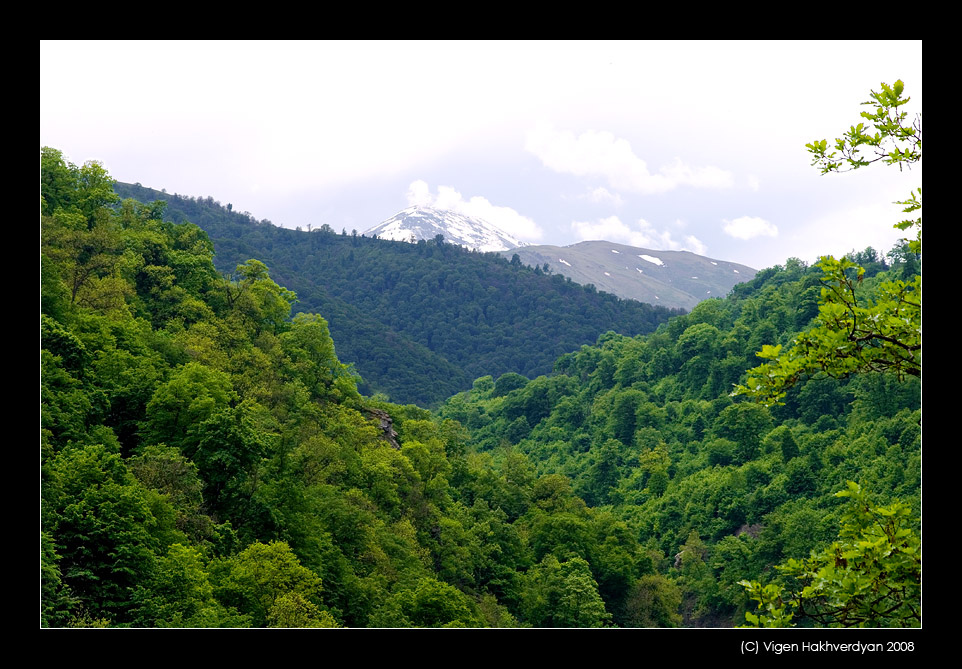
{"points": [[193, 394], [180, 595], [852, 333], [563, 594], [256, 301], [293, 610], [428, 603], [895, 141], [86, 258], [855, 332], [310, 350], [772, 609], [262, 575], [871, 576], [495, 615], [67, 188], [79, 239], [654, 464]]}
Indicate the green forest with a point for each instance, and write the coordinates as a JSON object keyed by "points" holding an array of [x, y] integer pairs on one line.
{"points": [[419, 322], [207, 459]]}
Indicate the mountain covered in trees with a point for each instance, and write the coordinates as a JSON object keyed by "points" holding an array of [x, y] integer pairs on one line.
{"points": [[669, 278], [419, 322], [208, 460], [717, 490]]}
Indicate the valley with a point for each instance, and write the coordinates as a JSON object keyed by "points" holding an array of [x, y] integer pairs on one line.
{"points": [[419, 321], [212, 454]]}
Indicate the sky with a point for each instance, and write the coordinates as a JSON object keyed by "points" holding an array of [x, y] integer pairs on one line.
{"points": [[696, 146]]}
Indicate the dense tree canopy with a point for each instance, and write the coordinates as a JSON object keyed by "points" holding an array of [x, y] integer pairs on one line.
{"points": [[712, 490], [208, 461]]}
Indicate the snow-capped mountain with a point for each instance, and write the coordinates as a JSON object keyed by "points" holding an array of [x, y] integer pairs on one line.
{"points": [[417, 223]]}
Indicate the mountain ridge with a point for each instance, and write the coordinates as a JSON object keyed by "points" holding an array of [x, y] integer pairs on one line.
{"points": [[678, 279], [670, 278]]}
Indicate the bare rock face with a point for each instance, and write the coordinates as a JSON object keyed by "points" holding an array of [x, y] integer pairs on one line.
{"points": [[386, 423]]}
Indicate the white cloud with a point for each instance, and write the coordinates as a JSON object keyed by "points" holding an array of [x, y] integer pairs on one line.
{"points": [[644, 235], [694, 245], [602, 195], [451, 200], [753, 183], [601, 154], [749, 227], [419, 194], [447, 198], [699, 177]]}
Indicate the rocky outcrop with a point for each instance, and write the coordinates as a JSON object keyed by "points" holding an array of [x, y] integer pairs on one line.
{"points": [[386, 423]]}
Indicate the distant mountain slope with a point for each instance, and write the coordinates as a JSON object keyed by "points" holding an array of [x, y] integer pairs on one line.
{"points": [[419, 321], [425, 223], [678, 279]]}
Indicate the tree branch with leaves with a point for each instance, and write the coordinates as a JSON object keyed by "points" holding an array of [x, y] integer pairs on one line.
{"points": [[871, 575], [855, 332]]}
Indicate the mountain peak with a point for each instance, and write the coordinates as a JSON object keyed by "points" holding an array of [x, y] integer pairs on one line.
{"points": [[418, 222]]}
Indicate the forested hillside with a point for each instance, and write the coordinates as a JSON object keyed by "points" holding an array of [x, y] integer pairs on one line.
{"points": [[717, 490], [208, 461], [418, 321]]}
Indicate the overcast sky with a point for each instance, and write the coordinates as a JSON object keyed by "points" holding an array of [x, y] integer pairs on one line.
{"points": [[694, 146]]}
